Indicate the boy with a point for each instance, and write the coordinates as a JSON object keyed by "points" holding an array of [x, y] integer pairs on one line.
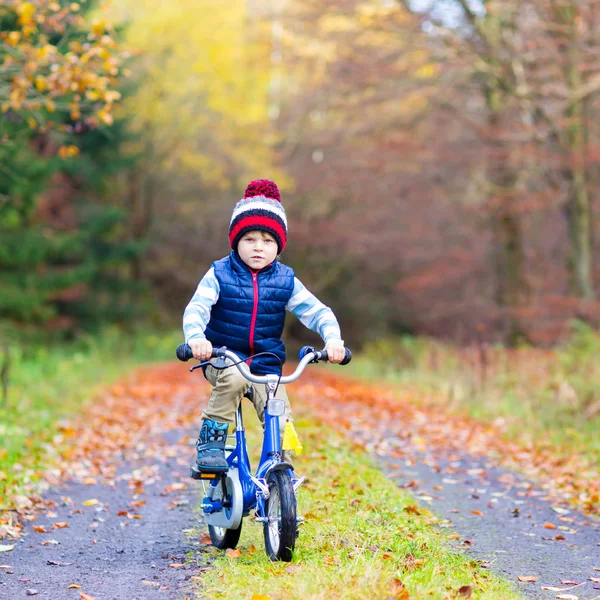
{"points": [[241, 303]]}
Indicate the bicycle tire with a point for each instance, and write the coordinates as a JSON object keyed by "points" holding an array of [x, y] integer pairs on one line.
{"points": [[224, 538], [280, 509]]}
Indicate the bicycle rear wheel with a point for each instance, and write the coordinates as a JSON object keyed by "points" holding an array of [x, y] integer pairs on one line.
{"points": [[224, 538], [280, 509], [222, 526]]}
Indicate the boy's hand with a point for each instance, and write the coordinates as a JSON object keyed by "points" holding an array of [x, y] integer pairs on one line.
{"points": [[335, 351], [201, 349]]}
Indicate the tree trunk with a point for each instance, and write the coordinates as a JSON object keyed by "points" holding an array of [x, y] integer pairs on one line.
{"points": [[511, 287], [579, 214]]}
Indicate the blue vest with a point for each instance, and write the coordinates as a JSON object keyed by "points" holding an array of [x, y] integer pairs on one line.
{"points": [[249, 315]]}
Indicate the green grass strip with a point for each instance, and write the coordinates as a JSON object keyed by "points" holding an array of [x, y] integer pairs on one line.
{"points": [[363, 538], [50, 383]]}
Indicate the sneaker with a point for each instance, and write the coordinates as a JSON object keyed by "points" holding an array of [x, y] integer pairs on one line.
{"points": [[211, 449]]}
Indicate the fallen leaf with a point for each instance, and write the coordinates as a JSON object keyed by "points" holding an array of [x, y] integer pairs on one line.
{"points": [[40, 529], [567, 597], [231, 553], [6, 547], [549, 526], [177, 565], [260, 597], [527, 578], [91, 502], [412, 509], [5, 566], [122, 513], [568, 582], [60, 525], [205, 540], [86, 597], [398, 591], [32, 592], [477, 512], [74, 586], [293, 569], [154, 584], [465, 591], [89, 481], [595, 579]]}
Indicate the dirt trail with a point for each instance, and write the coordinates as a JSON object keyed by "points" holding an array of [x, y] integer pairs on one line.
{"points": [[123, 492]]}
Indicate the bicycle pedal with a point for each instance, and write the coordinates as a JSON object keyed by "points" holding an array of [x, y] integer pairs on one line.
{"points": [[196, 474]]}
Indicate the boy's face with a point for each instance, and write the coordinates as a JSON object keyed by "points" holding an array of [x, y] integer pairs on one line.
{"points": [[257, 249]]}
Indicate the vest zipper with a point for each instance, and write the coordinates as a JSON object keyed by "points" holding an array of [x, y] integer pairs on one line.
{"points": [[254, 314]]}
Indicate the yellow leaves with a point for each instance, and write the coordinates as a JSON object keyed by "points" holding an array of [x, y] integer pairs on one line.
{"points": [[330, 23], [260, 597], [91, 502], [48, 75], [98, 27], [86, 597], [60, 525], [13, 38], [74, 586], [106, 117], [231, 553], [25, 11], [427, 71], [41, 84], [68, 151]]}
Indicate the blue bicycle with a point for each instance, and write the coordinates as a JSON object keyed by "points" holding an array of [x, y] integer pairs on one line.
{"points": [[272, 490]]}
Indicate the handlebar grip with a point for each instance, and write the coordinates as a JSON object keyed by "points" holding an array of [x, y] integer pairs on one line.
{"points": [[347, 358], [322, 355], [184, 352]]}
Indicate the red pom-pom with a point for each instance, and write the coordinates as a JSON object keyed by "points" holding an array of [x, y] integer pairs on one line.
{"points": [[262, 187]]}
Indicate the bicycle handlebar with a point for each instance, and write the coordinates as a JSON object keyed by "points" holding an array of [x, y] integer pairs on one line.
{"points": [[307, 355]]}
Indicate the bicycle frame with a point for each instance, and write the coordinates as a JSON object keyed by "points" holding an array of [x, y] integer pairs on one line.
{"points": [[254, 487]]}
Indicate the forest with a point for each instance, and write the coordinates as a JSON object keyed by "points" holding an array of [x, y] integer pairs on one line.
{"points": [[437, 160]]}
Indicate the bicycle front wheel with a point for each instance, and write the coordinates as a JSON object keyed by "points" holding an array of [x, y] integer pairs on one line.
{"points": [[280, 510]]}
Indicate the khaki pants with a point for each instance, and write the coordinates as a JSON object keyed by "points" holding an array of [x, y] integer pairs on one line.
{"points": [[229, 387]]}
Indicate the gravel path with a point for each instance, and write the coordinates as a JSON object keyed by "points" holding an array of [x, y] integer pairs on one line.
{"points": [[504, 521], [125, 533], [114, 547], [500, 518]]}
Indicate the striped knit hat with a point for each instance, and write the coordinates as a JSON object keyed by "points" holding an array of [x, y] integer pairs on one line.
{"points": [[260, 208]]}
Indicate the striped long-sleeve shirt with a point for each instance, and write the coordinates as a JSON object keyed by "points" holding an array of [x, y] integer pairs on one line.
{"points": [[306, 306]]}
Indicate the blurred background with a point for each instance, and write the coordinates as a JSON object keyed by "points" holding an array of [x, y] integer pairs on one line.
{"points": [[438, 162], [438, 159]]}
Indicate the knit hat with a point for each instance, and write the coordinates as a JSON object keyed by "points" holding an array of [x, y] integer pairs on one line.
{"points": [[260, 208]]}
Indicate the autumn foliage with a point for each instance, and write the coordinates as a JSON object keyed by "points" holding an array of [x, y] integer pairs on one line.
{"points": [[46, 67]]}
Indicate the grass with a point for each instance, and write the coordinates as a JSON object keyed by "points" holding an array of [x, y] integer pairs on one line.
{"points": [[549, 399], [47, 384], [363, 538]]}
